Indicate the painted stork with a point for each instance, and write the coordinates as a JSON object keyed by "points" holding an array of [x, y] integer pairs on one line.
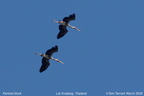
{"points": [[64, 24], [46, 57]]}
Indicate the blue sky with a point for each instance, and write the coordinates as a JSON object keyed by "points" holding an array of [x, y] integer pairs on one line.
{"points": [[106, 56]]}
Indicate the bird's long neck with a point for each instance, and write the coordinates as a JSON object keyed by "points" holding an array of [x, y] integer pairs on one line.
{"points": [[65, 24], [73, 27], [57, 60]]}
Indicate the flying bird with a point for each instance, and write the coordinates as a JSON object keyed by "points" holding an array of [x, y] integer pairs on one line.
{"points": [[63, 24], [46, 57]]}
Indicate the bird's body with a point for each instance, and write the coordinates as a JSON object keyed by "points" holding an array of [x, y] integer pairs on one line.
{"points": [[64, 24], [46, 57]]}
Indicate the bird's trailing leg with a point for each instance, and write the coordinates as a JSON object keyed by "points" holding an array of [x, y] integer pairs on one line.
{"points": [[38, 54], [60, 22], [43, 55], [57, 60], [55, 21], [73, 27]]}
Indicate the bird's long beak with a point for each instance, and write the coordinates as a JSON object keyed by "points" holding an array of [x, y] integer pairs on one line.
{"points": [[73, 27], [77, 29], [59, 61]]}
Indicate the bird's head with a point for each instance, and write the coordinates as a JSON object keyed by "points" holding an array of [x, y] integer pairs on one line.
{"points": [[59, 61]]}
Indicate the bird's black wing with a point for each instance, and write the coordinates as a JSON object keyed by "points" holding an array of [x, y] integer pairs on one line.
{"points": [[63, 31], [51, 51], [45, 64], [68, 19]]}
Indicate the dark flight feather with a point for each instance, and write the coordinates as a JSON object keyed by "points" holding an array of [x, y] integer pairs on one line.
{"points": [[45, 64], [63, 31], [51, 51], [68, 19]]}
